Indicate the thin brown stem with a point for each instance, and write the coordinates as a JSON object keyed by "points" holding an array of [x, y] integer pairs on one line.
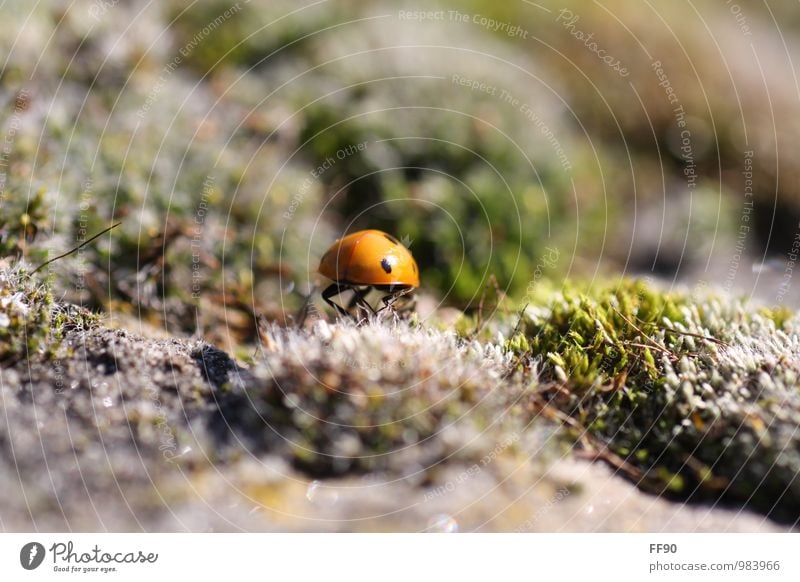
{"points": [[76, 249]]}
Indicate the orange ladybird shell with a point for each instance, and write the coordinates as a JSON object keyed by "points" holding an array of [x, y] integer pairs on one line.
{"points": [[370, 257]]}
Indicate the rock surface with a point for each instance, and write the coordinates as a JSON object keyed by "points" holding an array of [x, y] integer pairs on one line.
{"points": [[128, 433]]}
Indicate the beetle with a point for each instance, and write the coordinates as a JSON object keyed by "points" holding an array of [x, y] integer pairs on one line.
{"points": [[365, 260]]}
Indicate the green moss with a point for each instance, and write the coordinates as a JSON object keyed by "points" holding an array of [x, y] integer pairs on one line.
{"points": [[605, 336], [32, 325], [696, 396]]}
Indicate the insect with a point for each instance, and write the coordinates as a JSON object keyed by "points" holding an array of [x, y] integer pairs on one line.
{"points": [[366, 260]]}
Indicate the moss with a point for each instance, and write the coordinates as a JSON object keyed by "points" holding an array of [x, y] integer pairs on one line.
{"points": [[209, 177], [605, 336], [32, 325], [697, 398], [382, 397], [21, 221]]}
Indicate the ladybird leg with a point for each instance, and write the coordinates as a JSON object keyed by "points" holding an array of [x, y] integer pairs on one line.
{"points": [[361, 300], [332, 291], [388, 301], [392, 298], [353, 300], [357, 300], [394, 305]]}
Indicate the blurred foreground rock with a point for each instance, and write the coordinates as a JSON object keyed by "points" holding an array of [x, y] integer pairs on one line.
{"points": [[126, 433]]}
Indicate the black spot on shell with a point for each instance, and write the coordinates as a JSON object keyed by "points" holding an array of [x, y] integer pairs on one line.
{"points": [[387, 266]]}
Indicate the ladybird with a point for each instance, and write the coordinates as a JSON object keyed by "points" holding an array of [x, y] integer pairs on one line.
{"points": [[365, 260]]}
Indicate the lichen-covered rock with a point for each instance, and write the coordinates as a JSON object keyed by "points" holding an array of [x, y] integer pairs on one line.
{"points": [[31, 323], [381, 397], [397, 425]]}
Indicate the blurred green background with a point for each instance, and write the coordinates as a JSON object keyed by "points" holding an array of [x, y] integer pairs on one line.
{"points": [[235, 141]]}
